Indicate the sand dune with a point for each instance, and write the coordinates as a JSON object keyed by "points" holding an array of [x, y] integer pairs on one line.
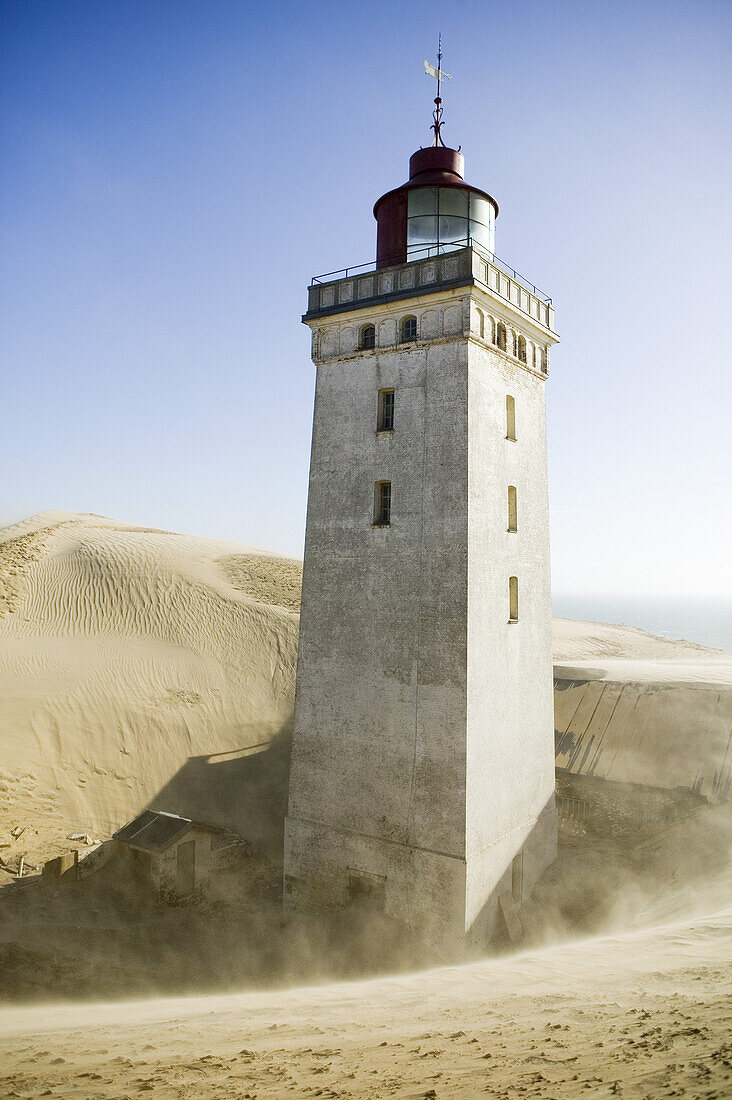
{"points": [[577, 642], [139, 667], [127, 655]]}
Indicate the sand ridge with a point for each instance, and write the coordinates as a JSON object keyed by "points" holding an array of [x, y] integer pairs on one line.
{"points": [[585, 641]]}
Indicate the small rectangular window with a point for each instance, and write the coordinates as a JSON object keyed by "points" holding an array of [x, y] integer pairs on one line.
{"points": [[385, 421], [382, 504], [510, 417], [512, 509], [513, 599]]}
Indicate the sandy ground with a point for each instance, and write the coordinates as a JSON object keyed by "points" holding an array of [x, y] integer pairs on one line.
{"points": [[642, 1015]]}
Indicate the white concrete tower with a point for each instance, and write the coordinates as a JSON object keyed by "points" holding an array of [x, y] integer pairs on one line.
{"points": [[422, 775]]}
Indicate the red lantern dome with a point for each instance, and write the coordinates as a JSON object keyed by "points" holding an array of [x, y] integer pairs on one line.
{"points": [[435, 211]]}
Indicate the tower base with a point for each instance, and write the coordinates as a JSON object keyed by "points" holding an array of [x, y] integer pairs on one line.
{"points": [[452, 903]]}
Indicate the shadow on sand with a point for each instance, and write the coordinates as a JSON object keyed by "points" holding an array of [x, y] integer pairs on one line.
{"points": [[245, 789]]}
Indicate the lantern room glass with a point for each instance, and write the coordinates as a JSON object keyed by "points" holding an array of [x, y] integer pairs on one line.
{"points": [[444, 219]]}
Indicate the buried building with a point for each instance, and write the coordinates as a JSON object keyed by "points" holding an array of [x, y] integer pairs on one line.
{"points": [[176, 854], [422, 775]]}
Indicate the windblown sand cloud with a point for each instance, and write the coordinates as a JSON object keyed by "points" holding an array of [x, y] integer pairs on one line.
{"points": [[641, 1015]]}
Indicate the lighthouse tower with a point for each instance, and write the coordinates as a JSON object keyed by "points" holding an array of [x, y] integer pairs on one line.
{"points": [[422, 778]]}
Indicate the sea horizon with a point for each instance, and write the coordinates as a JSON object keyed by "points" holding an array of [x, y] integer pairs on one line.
{"points": [[704, 621]]}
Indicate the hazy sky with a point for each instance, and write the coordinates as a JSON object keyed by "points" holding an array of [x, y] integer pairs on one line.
{"points": [[173, 174]]}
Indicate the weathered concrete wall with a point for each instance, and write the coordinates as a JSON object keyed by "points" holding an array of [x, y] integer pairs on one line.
{"points": [[64, 867], [382, 638], [421, 888], [419, 757], [490, 871], [510, 705]]}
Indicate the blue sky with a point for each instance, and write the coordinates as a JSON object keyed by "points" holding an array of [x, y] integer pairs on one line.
{"points": [[173, 173]]}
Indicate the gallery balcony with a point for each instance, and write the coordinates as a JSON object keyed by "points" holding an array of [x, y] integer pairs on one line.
{"points": [[360, 287]]}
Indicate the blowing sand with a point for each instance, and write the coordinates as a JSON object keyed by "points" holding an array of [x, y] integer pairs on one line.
{"points": [[139, 667], [640, 1015]]}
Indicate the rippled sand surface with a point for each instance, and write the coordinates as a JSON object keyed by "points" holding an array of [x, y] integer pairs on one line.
{"points": [[128, 658]]}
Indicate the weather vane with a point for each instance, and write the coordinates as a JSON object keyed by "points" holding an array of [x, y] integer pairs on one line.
{"points": [[439, 76]]}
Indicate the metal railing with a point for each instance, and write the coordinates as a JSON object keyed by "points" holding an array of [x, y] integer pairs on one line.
{"points": [[515, 275], [573, 809], [438, 250]]}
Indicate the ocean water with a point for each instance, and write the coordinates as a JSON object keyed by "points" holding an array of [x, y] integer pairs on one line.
{"points": [[704, 621]]}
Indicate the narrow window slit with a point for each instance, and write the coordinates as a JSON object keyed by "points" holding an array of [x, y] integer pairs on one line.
{"points": [[382, 504], [510, 417], [513, 599], [512, 509], [385, 420]]}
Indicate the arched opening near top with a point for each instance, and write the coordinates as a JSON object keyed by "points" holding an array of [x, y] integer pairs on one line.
{"points": [[512, 509], [501, 336], [408, 329], [480, 318], [521, 349], [510, 417], [367, 339]]}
